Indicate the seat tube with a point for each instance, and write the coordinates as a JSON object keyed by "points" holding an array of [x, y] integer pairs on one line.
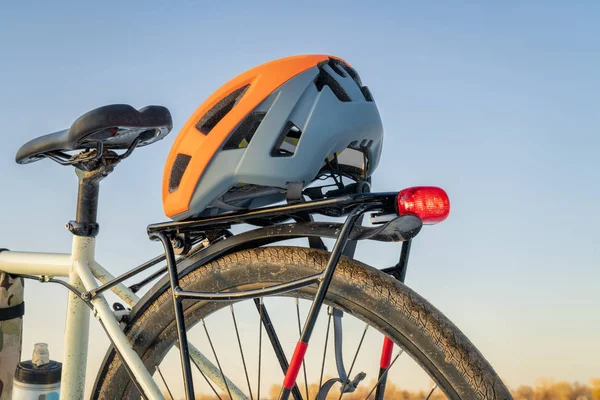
{"points": [[84, 230], [77, 326]]}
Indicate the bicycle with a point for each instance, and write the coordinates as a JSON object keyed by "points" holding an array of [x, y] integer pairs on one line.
{"points": [[209, 269]]}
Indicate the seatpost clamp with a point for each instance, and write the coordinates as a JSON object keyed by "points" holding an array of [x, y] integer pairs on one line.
{"points": [[89, 230]]}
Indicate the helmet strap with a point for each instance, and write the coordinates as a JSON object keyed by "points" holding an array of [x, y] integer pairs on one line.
{"points": [[294, 192]]}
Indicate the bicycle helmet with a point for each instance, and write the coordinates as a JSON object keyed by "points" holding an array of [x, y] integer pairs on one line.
{"points": [[276, 125]]}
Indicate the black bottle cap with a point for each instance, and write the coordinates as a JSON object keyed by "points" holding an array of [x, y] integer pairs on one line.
{"points": [[44, 374]]}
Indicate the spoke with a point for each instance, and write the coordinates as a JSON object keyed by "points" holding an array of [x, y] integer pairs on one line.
{"points": [[165, 382], [216, 358], [300, 334], [260, 325], [276, 344], [209, 384], [432, 390], [237, 333], [324, 351], [353, 361], [212, 372], [384, 373]]}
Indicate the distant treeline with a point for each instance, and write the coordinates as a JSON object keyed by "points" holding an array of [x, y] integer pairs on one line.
{"points": [[545, 389]]}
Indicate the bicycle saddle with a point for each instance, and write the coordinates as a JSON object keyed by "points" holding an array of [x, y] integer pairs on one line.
{"points": [[116, 126]]}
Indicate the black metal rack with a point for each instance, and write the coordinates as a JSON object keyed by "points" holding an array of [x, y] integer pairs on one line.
{"points": [[397, 229]]}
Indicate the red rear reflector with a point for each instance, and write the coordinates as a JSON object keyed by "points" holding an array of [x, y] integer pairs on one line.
{"points": [[429, 203]]}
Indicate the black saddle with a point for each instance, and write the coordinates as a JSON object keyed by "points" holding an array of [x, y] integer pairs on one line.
{"points": [[117, 126]]}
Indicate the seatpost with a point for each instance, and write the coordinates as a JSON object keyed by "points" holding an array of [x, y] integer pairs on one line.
{"points": [[87, 201], [85, 223]]}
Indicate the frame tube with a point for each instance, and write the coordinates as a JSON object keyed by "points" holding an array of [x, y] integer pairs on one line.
{"points": [[120, 341], [77, 325], [49, 264], [124, 293], [115, 281]]}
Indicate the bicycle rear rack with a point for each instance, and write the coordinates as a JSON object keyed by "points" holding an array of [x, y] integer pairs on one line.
{"points": [[398, 229]]}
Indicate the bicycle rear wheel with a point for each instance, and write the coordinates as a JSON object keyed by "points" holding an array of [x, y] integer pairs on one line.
{"points": [[376, 299]]}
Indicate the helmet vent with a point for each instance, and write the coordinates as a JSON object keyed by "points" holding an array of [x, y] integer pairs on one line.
{"points": [[367, 93], [241, 137], [220, 110], [354, 75], [287, 142], [325, 79], [335, 66], [179, 167]]}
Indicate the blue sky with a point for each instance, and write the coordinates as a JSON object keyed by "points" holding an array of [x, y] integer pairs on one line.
{"points": [[497, 103]]}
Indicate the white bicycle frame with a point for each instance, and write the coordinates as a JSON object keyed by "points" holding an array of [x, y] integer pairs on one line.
{"points": [[82, 270]]}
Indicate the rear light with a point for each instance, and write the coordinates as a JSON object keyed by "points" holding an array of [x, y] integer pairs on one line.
{"points": [[429, 203]]}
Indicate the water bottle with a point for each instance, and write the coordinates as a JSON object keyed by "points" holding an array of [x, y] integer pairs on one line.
{"points": [[38, 378]]}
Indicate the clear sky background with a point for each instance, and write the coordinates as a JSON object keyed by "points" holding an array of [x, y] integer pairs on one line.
{"points": [[497, 103]]}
